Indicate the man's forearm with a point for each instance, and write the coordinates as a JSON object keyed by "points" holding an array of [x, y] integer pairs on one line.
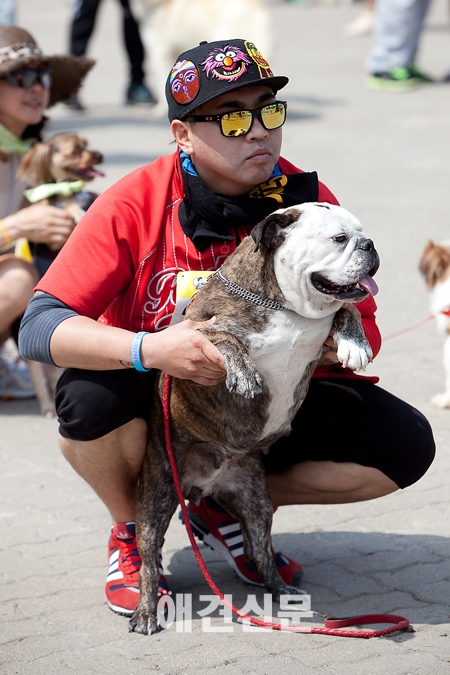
{"points": [[80, 342], [52, 332]]}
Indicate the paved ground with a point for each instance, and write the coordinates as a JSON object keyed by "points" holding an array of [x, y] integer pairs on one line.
{"points": [[386, 157]]}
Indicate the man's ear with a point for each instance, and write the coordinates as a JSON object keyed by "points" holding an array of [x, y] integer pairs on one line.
{"points": [[182, 135]]}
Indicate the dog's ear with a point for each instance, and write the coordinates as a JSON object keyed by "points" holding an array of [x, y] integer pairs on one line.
{"points": [[269, 228], [34, 169], [434, 263]]}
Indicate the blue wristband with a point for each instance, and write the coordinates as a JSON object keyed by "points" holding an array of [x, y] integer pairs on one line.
{"points": [[136, 352]]}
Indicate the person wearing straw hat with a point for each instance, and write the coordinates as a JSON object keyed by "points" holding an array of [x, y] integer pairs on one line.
{"points": [[106, 311], [30, 82]]}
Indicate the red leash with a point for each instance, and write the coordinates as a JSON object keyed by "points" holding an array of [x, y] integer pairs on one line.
{"points": [[445, 311], [414, 326], [332, 626]]}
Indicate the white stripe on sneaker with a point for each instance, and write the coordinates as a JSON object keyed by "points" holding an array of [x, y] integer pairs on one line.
{"points": [[114, 566], [227, 529], [239, 539], [114, 556], [229, 556]]}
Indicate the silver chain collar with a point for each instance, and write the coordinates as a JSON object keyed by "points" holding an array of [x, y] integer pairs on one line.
{"points": [[247, 295]]}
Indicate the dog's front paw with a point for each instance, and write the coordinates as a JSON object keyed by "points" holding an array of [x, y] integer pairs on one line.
{"points": [[243, 380], [242, 376], [441, 401], [354, 355], [246, 383], [144, 623]]}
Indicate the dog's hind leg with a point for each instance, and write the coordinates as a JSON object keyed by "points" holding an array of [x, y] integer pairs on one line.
{"points": [[156, 504], [250, 503]]}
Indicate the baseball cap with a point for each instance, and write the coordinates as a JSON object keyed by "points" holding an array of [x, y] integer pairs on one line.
{"points": [[212, 69]]}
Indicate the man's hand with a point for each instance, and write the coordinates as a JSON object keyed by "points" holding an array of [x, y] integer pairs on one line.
{"points": [[331, 353], [41, 223], [182, 351]]}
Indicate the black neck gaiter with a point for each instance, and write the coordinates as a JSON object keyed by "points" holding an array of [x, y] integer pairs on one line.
{"points": [[205, 216]]}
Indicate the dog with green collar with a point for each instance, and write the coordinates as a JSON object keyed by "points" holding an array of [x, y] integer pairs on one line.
{"points": [[57, 170]]}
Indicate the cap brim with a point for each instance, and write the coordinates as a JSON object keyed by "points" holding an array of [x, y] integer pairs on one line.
{"points": [[275, 83]]}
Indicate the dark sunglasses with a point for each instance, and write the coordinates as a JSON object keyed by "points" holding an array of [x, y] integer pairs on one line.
{"points": [[25, 78], [239, 122]]}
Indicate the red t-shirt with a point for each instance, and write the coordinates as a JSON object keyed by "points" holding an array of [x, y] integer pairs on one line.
{"points": [[120, 264]]}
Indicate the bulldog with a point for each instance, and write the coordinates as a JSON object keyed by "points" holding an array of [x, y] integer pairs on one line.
{"points": [[275, 299]]}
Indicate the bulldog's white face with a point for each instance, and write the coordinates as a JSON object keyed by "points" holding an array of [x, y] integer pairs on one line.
{"points": [[324, 260]]}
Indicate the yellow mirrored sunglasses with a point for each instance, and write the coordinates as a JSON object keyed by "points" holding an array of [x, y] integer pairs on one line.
{"points": [[239, 122]]}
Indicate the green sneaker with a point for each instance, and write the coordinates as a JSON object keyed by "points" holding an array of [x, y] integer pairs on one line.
{"points": [[398, 79], [426, 79]]}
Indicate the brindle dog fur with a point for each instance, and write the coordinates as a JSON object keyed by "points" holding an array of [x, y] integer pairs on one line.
{"points": [[219, 433]]}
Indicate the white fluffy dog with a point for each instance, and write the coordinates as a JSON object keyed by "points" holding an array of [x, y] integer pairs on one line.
{"points": [[171, 27], [435, 268]]}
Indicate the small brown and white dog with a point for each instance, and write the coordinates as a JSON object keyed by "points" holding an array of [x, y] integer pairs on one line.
{"points": [[171, 27], [434, 265], [60, 159], [54, 167]]}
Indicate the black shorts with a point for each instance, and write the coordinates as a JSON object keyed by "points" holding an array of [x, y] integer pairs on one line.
{"points": [[341, 420]]}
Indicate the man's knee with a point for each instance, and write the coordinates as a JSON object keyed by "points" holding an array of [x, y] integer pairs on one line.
{"points": [[92, 404], [125, 444], [420, 453], [411, 449]]}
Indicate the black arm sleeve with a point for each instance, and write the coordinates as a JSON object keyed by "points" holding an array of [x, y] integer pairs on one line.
{"points": [[43, 314]]}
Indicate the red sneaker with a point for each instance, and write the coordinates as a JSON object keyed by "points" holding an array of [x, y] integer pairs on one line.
{"points": [[122, 584], [221, 532]]}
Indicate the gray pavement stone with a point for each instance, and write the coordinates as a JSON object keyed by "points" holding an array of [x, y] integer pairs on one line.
{"points": [[386, 158]]}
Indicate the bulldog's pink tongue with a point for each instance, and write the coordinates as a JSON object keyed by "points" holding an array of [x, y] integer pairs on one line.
{"points": [[369, 284]]}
